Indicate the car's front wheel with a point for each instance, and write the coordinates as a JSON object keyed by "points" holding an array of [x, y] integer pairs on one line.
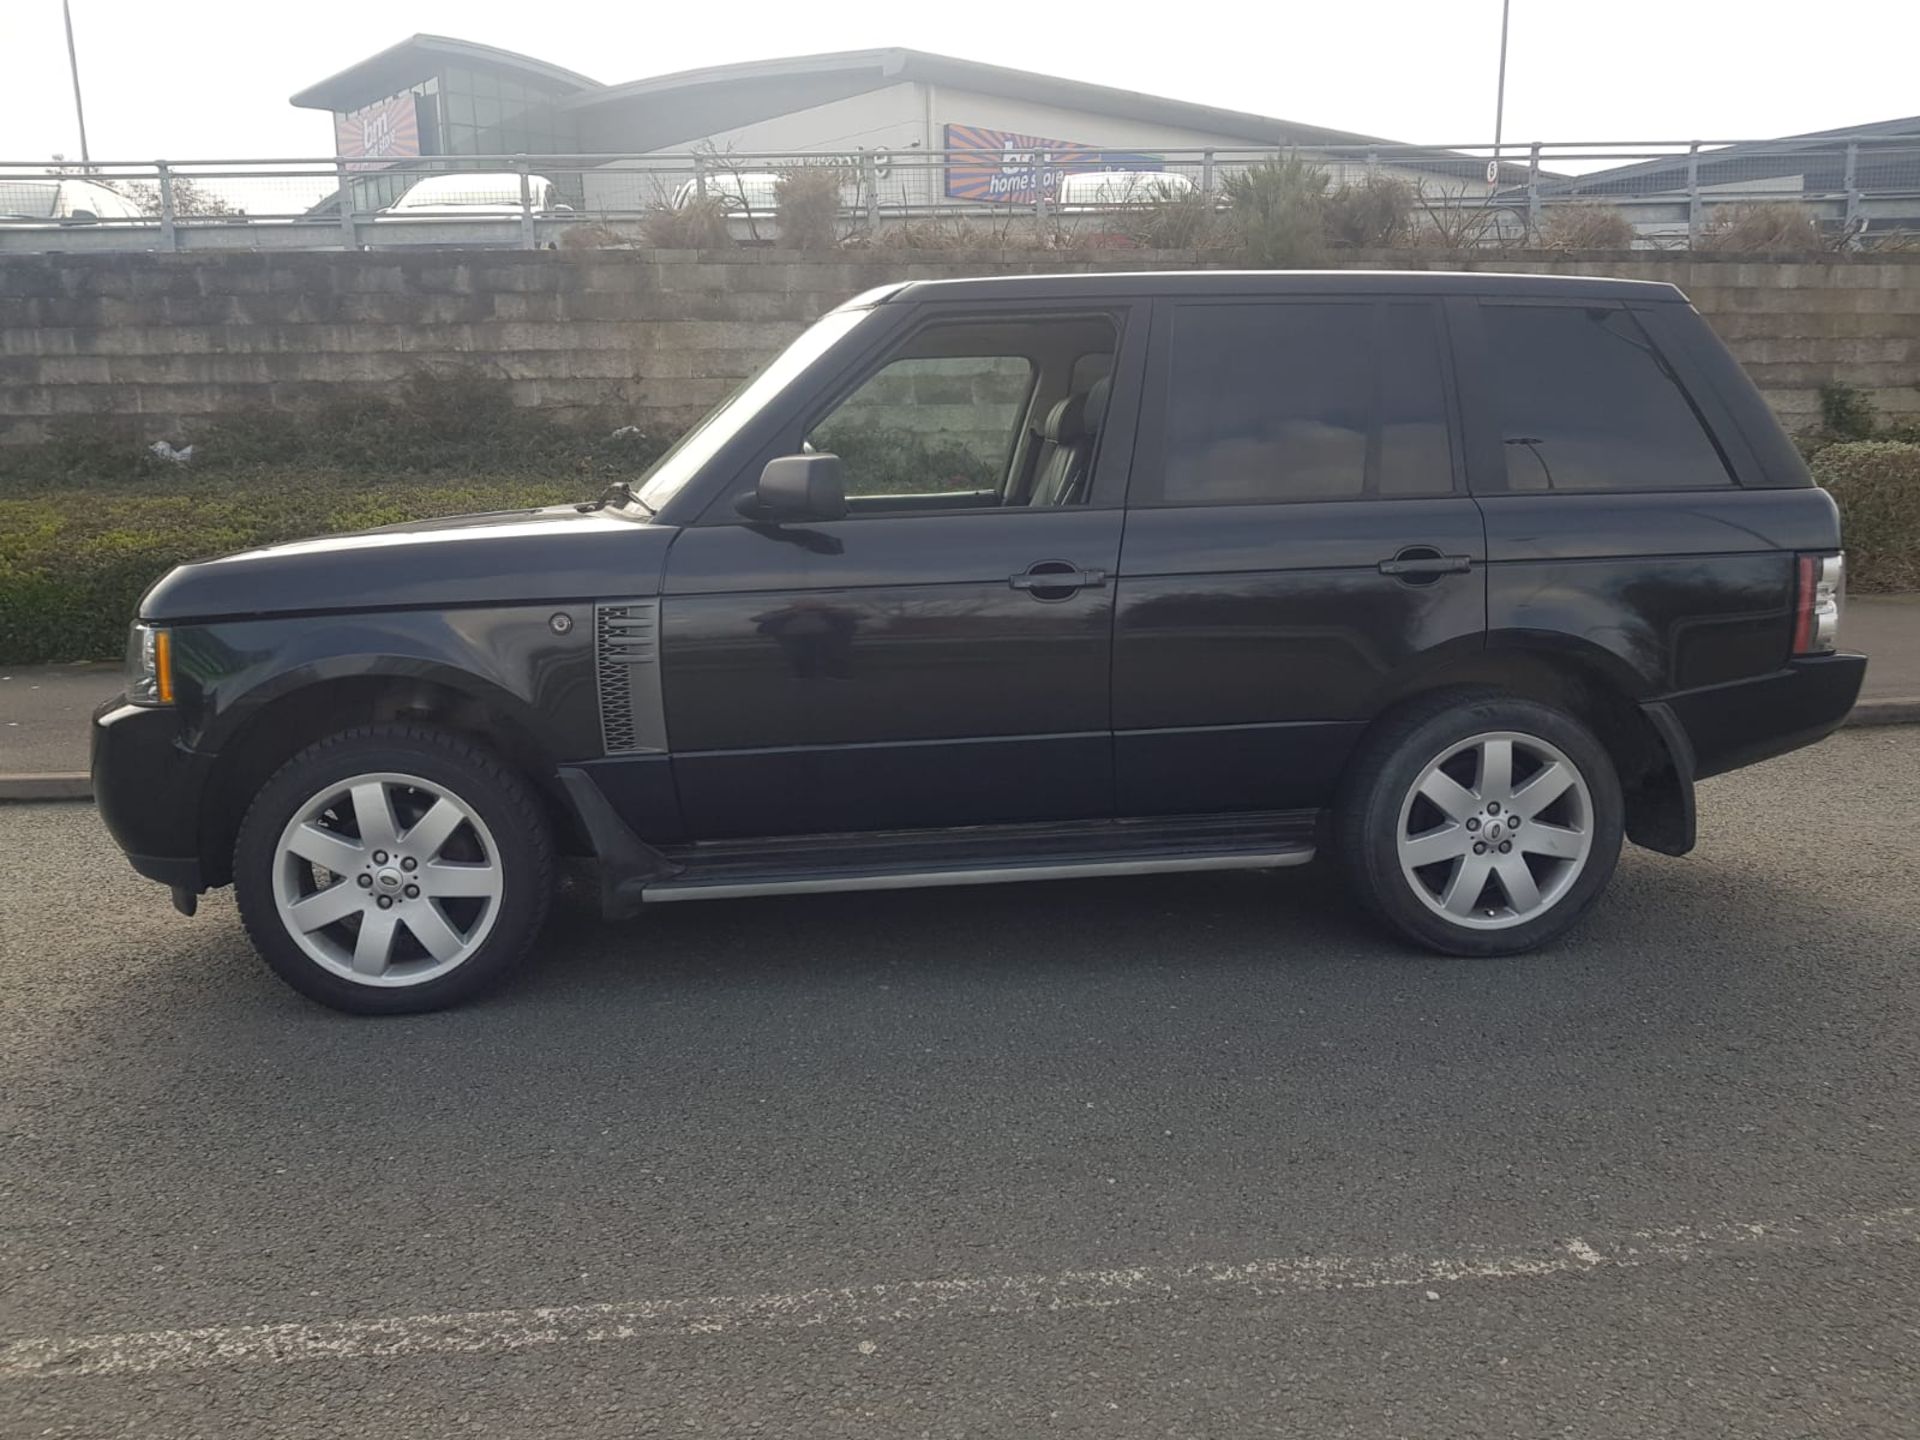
{"points": [[393, 869], [1479, 823]]}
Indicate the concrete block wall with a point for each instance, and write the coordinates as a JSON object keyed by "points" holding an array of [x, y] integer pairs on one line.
{"points": [[154, 344]]}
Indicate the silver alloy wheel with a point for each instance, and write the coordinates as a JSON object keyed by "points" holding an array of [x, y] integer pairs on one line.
{"points": [[1496, 830], [387, 879]]}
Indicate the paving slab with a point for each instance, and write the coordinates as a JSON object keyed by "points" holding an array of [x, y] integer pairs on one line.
{"points": [[1887, 629], [44, 711]]}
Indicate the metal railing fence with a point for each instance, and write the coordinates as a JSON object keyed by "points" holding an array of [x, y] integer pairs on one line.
{"points": [[1855, 187]]}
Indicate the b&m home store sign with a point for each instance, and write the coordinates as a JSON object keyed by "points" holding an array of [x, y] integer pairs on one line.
{"points": [[1016, 169]]}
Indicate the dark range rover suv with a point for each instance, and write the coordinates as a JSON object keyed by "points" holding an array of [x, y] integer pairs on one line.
{"points": [[1460, 577]]}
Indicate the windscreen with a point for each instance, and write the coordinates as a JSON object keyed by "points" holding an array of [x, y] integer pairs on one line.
{"points": [[28, 199], [700, 444]]}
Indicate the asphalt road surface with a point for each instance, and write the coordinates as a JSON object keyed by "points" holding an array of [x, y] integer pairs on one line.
{"points": [[1186, 1156]]}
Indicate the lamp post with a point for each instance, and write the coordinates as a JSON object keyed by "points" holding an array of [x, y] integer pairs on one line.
{"points": [[73, 64], [1500, 94]]}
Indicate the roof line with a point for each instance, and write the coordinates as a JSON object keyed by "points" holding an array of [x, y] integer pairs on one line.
{"points": [[314, 96], [1784, 145], [899, 62]]}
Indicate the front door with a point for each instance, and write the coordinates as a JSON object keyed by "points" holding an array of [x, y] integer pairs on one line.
{"points": [[1298, 538], [941, 656]]}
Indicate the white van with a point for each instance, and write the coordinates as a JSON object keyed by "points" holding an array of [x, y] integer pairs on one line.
{"points": [[742, 192], [64, 198], [475, 193], [1092, 190]]}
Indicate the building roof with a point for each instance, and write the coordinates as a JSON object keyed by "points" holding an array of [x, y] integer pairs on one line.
{"points": [[1669, 172], [705, 101], [399, 66], [894, 64]]}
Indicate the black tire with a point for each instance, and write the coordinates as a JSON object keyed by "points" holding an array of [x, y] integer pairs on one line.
{"points": [[481, 780], [1393, 758]]}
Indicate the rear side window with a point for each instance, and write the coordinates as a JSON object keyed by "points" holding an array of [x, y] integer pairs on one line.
{"points": [[1585, 402], [1305, 401]]}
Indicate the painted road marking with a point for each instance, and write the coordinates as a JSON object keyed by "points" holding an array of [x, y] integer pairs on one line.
{"points": [[486, 1332]]}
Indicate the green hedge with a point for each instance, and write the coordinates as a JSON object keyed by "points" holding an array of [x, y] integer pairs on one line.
{"points": [[73, 563], [90, 518], [1876, 483], [75, 556]]}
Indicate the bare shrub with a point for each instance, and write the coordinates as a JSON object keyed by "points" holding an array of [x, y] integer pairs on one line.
{"points": [[1015, 229], [590, 235], [1375, 214], [1585, 225], [1448, 222], [806, 205], [1888, 242], [1765, 227], [699, 224], [924, 235]]}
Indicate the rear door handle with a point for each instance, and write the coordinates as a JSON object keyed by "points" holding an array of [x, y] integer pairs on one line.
{"points": [[1427, 565], [1057, 575]]}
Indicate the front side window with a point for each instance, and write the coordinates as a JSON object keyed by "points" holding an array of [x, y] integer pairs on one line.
{"points": [[1585, 402], [1305, 401], [925, 425], [970, 413]]}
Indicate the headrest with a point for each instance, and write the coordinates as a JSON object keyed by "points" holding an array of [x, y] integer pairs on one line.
{"points": [[1066, 422], [1077, 416], [1097, 402]]}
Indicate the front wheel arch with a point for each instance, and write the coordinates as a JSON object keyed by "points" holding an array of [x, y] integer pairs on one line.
{"points": [[449, 923], [271, 733]]}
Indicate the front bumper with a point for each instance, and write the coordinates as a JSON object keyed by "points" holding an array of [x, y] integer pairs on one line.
{"points": [[1752, 720], [146, 786]]}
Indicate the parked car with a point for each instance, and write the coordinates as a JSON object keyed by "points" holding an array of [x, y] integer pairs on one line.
{"points": [[1096, 190], [1460, 577], [475, 193], [64, 198], [742, 192]]}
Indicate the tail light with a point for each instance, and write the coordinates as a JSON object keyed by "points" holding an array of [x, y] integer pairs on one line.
{"points": [[1819, 595]]}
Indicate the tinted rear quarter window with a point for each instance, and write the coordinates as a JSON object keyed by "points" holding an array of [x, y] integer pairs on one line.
{"points": [[1584, 402], [1292, 401]]}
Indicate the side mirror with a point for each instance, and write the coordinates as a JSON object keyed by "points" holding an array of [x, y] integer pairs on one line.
{"points": [[798, 487]]}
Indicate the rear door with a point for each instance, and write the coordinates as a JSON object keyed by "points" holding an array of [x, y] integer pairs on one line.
{"points": [[1298, 534], [1610, 477]]}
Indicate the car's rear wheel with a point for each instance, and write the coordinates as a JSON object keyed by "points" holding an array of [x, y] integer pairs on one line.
{"points": [[393, 869], [1480, 824]]}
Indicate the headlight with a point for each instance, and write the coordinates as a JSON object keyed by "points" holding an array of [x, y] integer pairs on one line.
{"points": [[149, 665]]}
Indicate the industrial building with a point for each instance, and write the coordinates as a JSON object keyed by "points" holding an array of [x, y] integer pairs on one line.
{"points": [[936, 130]]}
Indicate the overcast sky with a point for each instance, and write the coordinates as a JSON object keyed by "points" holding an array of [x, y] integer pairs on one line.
{"points": [[209, 79]]}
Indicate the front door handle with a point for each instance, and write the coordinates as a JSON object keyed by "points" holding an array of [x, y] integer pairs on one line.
{"points": [[1426, 562], [1057, 575]]}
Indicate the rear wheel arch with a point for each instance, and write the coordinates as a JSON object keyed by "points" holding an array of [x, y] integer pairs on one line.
{"points": [[1439, 853], [272, 732], [1653, 759]]}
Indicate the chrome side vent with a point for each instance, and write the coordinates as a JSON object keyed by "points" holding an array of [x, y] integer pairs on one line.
{"points": [[626, 636]]}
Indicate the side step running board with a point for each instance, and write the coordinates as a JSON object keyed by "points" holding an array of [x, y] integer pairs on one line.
{"points": [[894, 879]]}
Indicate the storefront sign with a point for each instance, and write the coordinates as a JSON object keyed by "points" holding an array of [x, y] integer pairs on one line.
{"points": [[1016, 169], [379, 134]]}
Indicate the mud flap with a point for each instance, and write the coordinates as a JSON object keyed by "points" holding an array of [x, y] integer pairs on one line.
{"points": [[627, 863]]}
